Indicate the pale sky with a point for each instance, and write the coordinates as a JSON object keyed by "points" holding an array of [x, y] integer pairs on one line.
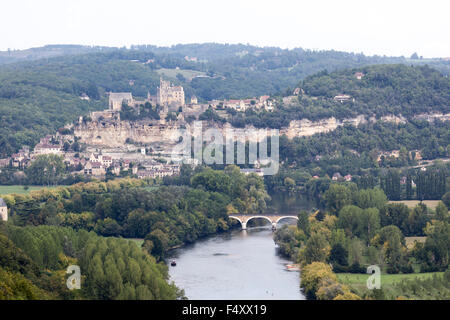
{"points": [[384, 27]]}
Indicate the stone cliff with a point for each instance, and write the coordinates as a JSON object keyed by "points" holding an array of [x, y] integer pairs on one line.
{"points": [[116, 133]]}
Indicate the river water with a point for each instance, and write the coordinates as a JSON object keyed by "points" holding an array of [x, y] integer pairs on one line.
{"points": [[235, 265]]}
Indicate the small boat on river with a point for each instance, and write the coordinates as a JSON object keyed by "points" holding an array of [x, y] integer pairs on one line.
{"points": [[173, 263], [292, 267]]}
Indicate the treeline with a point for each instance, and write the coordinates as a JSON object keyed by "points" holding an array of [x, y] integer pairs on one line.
{"points": [[424, 185], [166, 215], [34, 261], [45, 170]]}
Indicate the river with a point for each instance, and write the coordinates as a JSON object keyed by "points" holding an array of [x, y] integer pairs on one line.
{"points": [[234, 265]]}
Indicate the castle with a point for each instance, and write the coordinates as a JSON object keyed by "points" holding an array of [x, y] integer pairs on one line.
{"points": [[169, 95]]}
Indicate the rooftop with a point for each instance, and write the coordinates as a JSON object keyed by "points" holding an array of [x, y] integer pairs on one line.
{"points": [[120, 95]]}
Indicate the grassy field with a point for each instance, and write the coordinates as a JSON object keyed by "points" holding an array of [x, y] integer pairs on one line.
{"points": [[357, 282], [20, 189], [172, 73], [412, 203]]}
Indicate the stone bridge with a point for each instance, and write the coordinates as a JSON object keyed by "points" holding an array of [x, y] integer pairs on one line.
{"points": [[273, 219]]}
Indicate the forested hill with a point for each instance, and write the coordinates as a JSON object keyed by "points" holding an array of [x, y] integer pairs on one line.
{"points": [[39, 96], [383, 90], [48, 51]]}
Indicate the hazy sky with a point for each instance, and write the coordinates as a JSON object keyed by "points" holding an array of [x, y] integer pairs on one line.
{"points": [[391, 27]]}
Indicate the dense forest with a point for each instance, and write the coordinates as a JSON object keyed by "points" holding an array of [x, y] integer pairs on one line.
{"points": [[33, 261]]}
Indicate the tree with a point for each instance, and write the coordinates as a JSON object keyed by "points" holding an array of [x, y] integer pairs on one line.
{"points": [[160, 242], [303, 222], [370, 198], [46, 169], [370, 223], [336, 197], [312, 276], [396, 214], [446, 199], [435, 255], [338, 255], [441, 211], [350, 219], [317, 249]]}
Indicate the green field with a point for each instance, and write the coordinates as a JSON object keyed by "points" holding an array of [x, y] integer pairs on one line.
{"points": [[172, 73], [386, 279], [357, 282], [412, 203], [20, 189]]}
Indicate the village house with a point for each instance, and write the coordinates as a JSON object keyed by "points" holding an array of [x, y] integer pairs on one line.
{"points": [[94, 169], [84, 96], [342, 98], [257, 171], [106, 161], [336, 176], [359, 75], [4, 162], [116, 168], [145, 174], [3, 210], [46, 148], [348, 177]]}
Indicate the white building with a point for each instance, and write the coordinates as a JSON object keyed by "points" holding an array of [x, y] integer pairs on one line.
{"points": [[3, 210]]}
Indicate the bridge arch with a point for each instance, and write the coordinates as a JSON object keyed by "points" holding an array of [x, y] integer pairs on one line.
{"points": [[261, 217], [273, 219], [286, 217], [235, 218]]}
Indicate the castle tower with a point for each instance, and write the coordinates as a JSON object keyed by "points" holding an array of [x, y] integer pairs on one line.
{"points": [[167, 94]]}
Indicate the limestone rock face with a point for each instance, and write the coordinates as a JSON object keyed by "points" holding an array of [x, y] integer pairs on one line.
{"points": [[116, 133], [305, 127]]}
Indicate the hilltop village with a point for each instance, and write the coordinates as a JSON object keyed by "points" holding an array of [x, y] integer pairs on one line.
{"points": [[102, 143], [136, 137]]}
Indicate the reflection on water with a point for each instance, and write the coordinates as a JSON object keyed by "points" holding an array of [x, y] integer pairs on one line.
{"points": [[289, 203], [235, 265]]}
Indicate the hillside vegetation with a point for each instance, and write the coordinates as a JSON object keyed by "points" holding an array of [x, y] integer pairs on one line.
{"points": [[42, 92], [384, 90]]}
